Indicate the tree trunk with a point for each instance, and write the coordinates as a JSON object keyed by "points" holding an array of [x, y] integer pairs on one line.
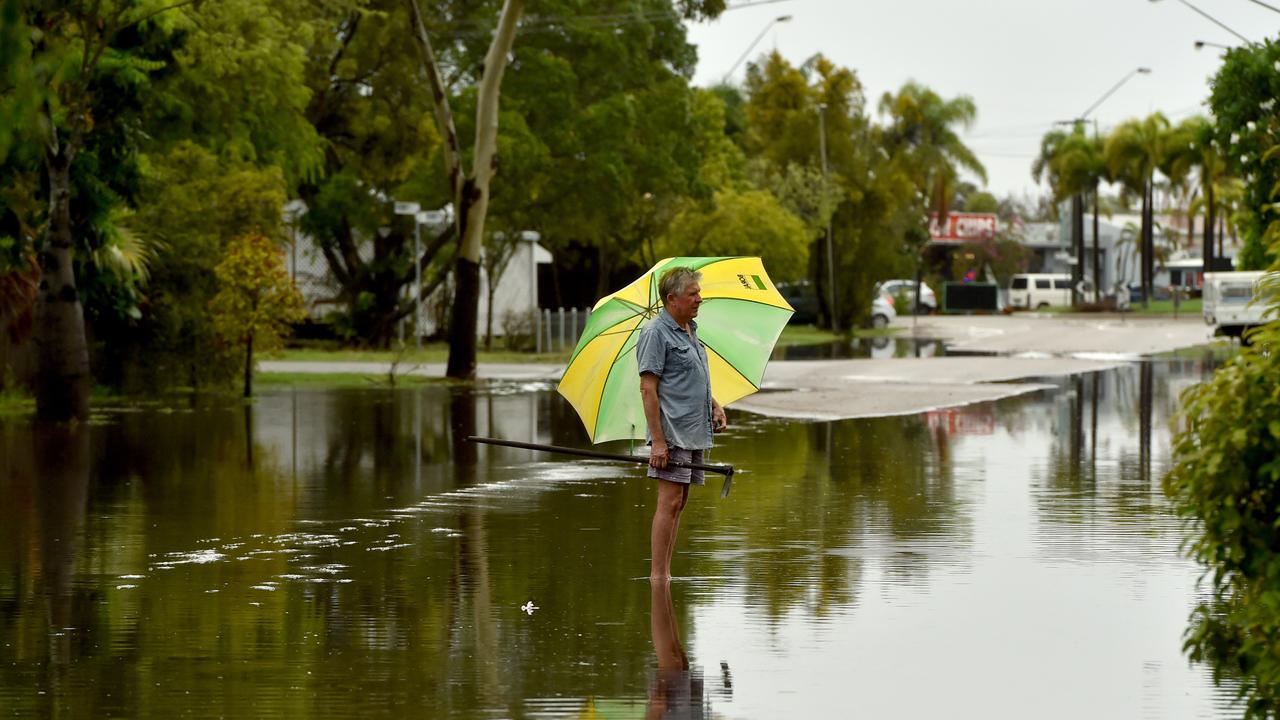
{"points": [[1146, 240], [463, 320], [1209, 220], [62, 353], [1097, 258], [248, 368], [474, 203], [1077, 245]]}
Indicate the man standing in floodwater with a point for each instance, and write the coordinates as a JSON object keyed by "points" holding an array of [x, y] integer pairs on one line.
{"points": [[680, 414]]}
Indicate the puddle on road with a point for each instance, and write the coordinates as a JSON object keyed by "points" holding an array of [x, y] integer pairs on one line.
{"points": [[343, 553]]}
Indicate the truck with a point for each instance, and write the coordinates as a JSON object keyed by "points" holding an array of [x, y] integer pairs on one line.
{"points": [[1229, 302]]}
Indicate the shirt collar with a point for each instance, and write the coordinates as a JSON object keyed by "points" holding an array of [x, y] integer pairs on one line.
{"points": [[665, 317]]}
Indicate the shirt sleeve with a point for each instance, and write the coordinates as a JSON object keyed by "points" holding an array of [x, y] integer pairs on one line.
{"points": [[651, 353]]}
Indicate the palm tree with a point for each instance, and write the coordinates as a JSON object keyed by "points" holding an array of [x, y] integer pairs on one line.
{"points": [[1074, 166], [1192, 147], [923, 127], [922, 135], [1133, 152]]}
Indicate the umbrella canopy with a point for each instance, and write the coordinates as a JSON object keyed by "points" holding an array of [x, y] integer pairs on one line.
{"points": [[741, 317]]}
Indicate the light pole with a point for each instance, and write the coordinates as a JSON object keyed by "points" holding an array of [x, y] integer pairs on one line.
{"points": [[775, 21], [1077, 220], [831, 266], [414, 209], [1201, 44], [532, 237], [1213, 20]]}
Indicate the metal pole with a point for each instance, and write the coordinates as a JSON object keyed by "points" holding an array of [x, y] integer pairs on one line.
{"points": [[417, 283], [726, 470], [831, 269], [533, 296]]}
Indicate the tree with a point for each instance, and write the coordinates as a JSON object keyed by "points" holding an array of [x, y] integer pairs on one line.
{"points": [[1133, 153], [875, 204], [256, 302], [194, 203], [752, 222], [74, 81], [923, 126], [1193, 147], [1074, 165], [1244, 108]]}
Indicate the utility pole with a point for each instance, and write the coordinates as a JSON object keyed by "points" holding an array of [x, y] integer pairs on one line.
{"points": [[831, 267]]}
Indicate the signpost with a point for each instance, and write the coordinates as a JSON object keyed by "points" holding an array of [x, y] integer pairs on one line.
{"points": [[419, 217]]}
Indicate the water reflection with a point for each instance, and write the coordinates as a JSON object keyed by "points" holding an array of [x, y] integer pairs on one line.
{"points": [[880, 347], [345, 553], [675, 691]]}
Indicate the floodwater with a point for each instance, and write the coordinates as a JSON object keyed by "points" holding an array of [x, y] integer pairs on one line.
{"points": [[343, 553]]}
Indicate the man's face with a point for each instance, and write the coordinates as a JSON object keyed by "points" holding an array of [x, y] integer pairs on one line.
{"points": [[684, 306]]}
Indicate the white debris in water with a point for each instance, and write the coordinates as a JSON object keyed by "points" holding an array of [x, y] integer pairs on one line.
{"points": [[199, 557], [132, 577], [442, 530], [264, 586]]}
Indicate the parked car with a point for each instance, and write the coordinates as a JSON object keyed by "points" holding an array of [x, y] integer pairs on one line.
{"points": [[907, 288], [882, 312], [1036, 291], [804, 301]]}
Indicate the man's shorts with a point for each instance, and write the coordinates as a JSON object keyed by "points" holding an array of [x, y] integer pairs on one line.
{"points": [[682, 475]]}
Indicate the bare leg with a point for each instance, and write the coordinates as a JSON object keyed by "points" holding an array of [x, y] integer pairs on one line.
{"points": [[666, 521], [675, 527]]}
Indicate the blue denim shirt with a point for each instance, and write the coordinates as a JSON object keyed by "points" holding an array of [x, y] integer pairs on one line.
{"points": [[684, 380]]}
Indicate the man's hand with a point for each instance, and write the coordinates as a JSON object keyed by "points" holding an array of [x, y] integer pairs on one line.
{"points": [[658, 455], [719, 421]]}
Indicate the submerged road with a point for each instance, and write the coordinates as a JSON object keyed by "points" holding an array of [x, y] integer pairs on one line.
{"points": [[1009, 354]]}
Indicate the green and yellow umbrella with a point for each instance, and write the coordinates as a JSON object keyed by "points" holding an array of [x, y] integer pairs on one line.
{"points": [[741, 317]]}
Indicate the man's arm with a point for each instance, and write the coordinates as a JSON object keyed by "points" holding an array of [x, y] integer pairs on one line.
{"points": [[719, 421], [653, 417]]}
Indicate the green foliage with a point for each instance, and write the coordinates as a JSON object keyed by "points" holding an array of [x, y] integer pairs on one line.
{"points": [[1226, 481], [1243, 101], [256, 302], [1135, 150], [194, 203], [1073, 163], [981, 202], [752, 222]]}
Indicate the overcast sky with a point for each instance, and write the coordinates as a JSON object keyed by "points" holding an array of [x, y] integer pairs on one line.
{"points": [[1025, 63]]}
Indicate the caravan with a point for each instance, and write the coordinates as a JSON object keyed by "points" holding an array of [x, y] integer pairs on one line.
{"points": [[1229, 303]]}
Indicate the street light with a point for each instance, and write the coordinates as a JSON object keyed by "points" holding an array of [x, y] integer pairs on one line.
{"points": [[775, 21], [1201, 44], [1213, 20], [1097, 269]]}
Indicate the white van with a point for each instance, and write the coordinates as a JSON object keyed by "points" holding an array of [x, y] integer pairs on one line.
{"points": [[1228, 302], [1035, 291]]}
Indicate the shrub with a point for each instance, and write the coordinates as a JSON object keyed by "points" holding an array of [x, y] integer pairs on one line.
{"points": [[1226, 482]]}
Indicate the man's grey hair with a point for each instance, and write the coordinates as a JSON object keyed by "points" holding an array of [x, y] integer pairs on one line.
{"points": [[674, 281]]}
